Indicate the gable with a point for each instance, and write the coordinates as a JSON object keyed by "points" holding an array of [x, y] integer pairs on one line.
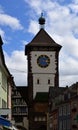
{"points": [[42, 39]]}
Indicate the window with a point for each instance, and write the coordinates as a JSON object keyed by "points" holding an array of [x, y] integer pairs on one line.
{"points": [[4, 82], [74, 105], [4, 104], [68, 95], [68, 124], [60, 111], [60, 125], [60, 97], [14, 110], [68, 109], [64, 124], [48, 81], [38, 81], [43, 119], [50, 125], [18, 101], [23, 110], [40, 119], [17, 93], [35, 119], [64, 110]]}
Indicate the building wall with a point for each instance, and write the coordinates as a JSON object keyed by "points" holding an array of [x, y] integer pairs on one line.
{"points": [[67, 110], [5, 98], [25, 122], [9, 100], [41, 107], [43, 74], [3, 89], [19, 109], [36, 69], [74, 113], [43, 85], [64, 117]]}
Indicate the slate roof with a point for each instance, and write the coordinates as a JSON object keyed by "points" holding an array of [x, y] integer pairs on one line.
{"points": [[43, 39], [41, 97]]}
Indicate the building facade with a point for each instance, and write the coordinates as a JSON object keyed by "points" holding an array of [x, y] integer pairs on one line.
{"points": [[74, 107], [6, 84], [65, 106], [19, 107], [43, 63]]}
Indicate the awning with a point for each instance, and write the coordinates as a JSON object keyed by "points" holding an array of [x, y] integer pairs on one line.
{"points": [[5, 122]]}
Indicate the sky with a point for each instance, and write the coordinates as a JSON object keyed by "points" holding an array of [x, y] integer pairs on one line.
{"points": [[19, 25]]}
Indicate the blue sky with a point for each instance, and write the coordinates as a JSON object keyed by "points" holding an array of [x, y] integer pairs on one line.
{"points": [[19, 24]]}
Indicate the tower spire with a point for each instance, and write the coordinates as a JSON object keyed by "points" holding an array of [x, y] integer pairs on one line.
{"points": [[41, 21]]}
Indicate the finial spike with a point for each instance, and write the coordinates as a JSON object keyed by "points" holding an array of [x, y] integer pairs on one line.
{"points": [[41, 14]]}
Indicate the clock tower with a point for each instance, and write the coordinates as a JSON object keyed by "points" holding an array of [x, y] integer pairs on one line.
{"points": [[43, 64]]}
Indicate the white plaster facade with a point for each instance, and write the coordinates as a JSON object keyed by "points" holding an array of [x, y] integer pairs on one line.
{"points": [[43, 74]]}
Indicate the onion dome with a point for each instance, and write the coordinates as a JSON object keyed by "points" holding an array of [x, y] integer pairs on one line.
{"points": [[41, 21]]}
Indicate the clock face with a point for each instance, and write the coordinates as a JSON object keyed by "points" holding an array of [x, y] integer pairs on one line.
{"points": [[43, 61]]}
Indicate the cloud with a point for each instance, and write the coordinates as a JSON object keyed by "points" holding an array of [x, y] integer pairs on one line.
{"points": [[68, 65], [67, 80], [62, 26], [68, 68], [12, 22], [2, 33], [59, 19], [34, 4], [8, 21], [24, 42], [74, 6], [17, 65], [33, 27]]}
